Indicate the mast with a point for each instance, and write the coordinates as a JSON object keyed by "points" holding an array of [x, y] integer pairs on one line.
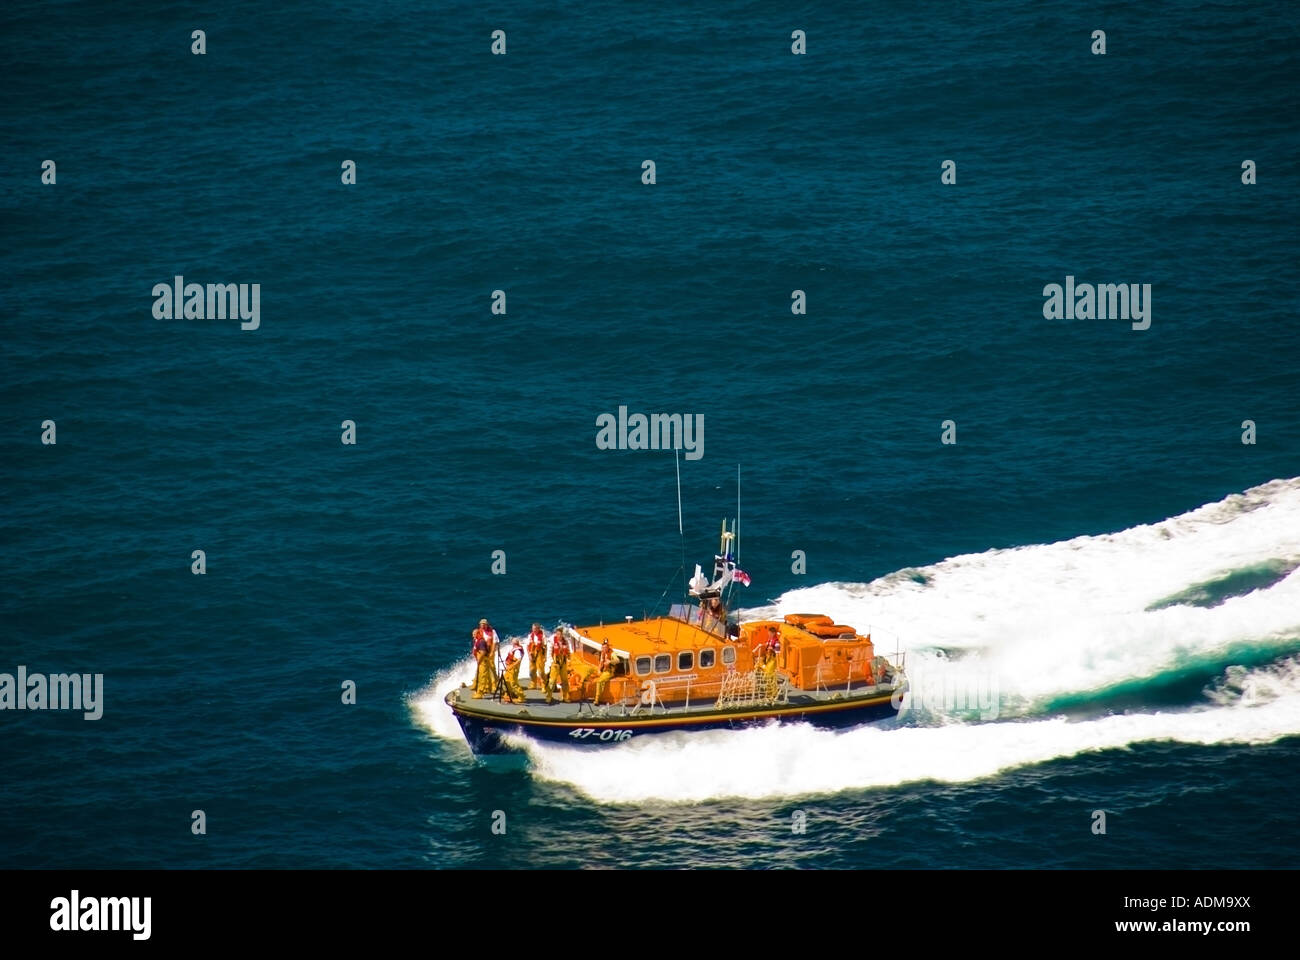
{"points": [[722, 585]]}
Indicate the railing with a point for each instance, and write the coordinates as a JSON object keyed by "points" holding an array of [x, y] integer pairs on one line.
{"points": [[634, 694], [651, 693], [733, 691], [865, 672]]}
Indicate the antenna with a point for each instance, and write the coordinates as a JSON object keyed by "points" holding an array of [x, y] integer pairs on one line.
{"points": [[677, 463], [737, 526]]}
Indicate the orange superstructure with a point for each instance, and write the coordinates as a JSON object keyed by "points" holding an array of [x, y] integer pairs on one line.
{"points": [[672, 661]]}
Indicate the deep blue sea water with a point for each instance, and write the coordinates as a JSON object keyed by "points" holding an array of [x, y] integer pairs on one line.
{"points": [[476, 432]]}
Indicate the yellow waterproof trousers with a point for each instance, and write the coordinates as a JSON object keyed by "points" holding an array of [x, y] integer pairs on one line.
{"points": [[602, 684], [484, 682], [557, 679], [513, 690]]}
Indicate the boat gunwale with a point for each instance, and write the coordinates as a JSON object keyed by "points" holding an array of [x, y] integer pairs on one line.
{"points": [[836, 702]]}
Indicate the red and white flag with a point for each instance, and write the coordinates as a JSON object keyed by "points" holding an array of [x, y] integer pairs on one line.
{"points": [[740, 576]]}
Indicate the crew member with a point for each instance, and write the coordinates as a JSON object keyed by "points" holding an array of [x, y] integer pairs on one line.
{"points": [[773, 641], [765, 652], [484, 648], [769, 671], [536, 658], [606, 669], [513, 693], [558, 678]]}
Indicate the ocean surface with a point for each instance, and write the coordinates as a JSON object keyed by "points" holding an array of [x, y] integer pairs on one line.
{"points": [[1099, 546]]}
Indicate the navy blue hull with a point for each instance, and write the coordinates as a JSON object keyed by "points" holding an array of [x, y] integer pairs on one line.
{"points": [[486, 735]]}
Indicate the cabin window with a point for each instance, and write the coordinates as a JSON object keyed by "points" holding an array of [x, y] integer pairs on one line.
{"points": [[685, 660], [728, 655], [706, 659], [642, 666], [663, 663]]}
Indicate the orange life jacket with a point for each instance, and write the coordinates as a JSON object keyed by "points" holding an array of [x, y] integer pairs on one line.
{"points": [[536, 643]]}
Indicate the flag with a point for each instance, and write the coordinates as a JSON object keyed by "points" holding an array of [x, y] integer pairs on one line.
{"points": [[740, 576]]}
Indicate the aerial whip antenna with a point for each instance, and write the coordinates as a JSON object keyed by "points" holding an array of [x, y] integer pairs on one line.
{"points": [[677, 464]]}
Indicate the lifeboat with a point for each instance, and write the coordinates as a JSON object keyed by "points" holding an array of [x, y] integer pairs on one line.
{"points": [[695, 667]]}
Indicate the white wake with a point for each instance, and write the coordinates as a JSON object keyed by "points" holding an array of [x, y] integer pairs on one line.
{"points": [[1024, 628]]}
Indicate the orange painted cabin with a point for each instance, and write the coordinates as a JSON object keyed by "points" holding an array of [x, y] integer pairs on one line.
{"points": [[686, 662]]}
